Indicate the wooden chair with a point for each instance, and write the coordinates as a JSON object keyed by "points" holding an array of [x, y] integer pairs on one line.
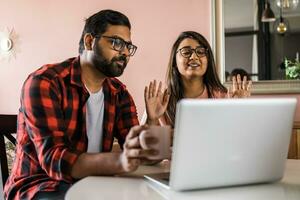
{"points": [[8, 126], [294, 149]]}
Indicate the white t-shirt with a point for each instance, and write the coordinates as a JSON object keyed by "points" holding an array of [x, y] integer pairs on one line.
{"points": [[94, 121]]}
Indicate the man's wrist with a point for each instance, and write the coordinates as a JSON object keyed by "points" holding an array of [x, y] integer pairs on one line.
{"points": [[120, 166]]}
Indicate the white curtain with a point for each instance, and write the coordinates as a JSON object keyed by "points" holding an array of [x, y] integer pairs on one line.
{"points": [[254, 48]]}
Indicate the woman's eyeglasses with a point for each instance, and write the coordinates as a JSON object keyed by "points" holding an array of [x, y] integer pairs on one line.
{"points": [[119, 44], [187, 52]]}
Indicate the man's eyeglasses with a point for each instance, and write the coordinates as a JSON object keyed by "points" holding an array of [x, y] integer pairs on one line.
{"points": [[187, 52], [119, 44]]}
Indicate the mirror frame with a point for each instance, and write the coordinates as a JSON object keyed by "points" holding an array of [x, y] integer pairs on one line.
{"points": [[218, 44]]}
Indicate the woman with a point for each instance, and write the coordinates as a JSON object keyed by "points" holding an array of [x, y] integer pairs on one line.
{"points": [[191, 74]]}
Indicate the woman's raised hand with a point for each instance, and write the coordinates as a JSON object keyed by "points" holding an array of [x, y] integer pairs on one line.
{"points": [[240, 88], [156, 100]]}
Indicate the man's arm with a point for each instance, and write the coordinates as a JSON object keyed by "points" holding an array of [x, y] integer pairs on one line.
{"points": [[46, 126], [45, 123], [112, 163], [89, 164]]}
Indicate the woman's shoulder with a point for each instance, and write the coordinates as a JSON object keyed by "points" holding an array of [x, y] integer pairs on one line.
{"points": [[219, 94]]}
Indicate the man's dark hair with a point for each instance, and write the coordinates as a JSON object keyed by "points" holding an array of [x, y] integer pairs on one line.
{"points": [[97, 24]]}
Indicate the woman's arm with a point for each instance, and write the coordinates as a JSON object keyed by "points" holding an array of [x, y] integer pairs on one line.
{"points": [[156, 102]]}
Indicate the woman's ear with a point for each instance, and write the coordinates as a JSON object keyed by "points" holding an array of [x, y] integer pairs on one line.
{"points": [[88, 41]]}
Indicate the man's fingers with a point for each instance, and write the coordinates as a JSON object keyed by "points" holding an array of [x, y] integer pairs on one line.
{"points": [[130, 164], [135, 131], [133, 153], [132, 143], [148, 152], [140, 153]]}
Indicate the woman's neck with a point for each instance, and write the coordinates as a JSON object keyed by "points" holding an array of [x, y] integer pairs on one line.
{"points": [[193, 88]]}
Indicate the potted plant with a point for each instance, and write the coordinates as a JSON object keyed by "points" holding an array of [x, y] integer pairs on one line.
{"points": [[292, 69]]}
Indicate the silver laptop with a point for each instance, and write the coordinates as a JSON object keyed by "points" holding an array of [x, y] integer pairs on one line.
{"points": [[228, 142]]}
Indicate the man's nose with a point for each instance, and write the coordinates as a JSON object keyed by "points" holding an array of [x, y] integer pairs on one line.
{"points": [[125, 51]]}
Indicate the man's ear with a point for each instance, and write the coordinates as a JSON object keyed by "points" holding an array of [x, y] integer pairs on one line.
{"points": [[88, 41]]}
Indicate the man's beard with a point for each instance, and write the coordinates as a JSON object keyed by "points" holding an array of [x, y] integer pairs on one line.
{"points": [[108, 68]]}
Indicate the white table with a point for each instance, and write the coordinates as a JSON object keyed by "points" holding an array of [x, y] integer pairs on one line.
{"points": [[134, 187]]}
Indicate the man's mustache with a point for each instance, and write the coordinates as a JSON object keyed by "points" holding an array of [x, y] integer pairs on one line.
{"points": [[120, 58]]}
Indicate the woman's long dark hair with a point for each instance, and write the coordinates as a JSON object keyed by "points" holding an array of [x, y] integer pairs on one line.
{"points": [[174, 80]]}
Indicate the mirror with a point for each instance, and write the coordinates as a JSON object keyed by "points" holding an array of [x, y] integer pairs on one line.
{"points": [[5, 44], [243, 41]]}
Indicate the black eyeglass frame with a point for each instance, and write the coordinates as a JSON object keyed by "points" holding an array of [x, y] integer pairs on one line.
{"points": [[128, 45], [193, 50]]}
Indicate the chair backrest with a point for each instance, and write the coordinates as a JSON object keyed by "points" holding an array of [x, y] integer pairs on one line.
{"points": [[8, 126]]}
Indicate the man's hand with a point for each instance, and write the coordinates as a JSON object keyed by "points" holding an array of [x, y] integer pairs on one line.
{"points": [[133, 154], [156, 101], [111, 163], [240, 89]]}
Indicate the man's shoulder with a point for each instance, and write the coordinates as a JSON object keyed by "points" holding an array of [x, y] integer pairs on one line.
{"points": [[116, 84], [52, 71]]}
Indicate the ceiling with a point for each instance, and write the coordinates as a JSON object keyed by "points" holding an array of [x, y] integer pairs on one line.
{"points": [[240, 13]]}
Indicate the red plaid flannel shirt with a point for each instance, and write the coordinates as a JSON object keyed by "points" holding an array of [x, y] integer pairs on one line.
{"points": [[52, 129]]}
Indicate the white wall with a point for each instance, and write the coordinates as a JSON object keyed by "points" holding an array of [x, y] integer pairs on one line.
{"points": [[49, 31]]}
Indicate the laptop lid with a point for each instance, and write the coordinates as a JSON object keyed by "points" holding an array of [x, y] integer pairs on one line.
{"points": [[229, 142]]}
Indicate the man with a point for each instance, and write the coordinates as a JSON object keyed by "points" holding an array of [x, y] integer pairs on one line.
{"points": [[71, 112]]}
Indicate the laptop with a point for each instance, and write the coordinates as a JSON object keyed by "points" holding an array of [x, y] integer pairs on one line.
{"points": [[228, 142]]}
